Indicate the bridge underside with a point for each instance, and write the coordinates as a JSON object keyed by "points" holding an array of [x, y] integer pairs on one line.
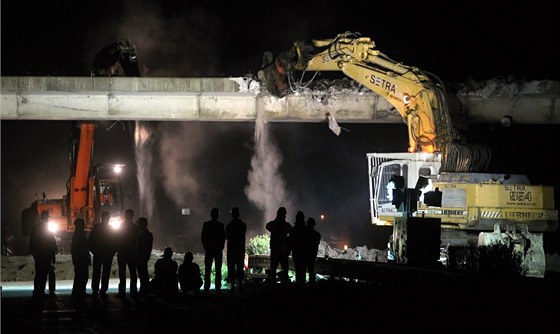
{"points": [[235, 99]]}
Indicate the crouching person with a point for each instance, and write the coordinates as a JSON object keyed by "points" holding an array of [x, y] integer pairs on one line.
{"points": [[165, 282], [190, 278]]}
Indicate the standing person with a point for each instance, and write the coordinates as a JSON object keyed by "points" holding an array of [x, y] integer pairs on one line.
{"points": [[126, 254], [144, 245], [189, 275], [102, 246], [235, 236], [313, 239], [44, 249], [279, 230], [81, 259], [165, 278], [297, 240], [213, 240]]}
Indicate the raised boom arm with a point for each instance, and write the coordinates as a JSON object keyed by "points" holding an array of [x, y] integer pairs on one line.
{"points": [[418, 100]]}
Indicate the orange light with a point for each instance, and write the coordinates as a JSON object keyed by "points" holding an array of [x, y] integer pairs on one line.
{"points": [[322, 217], [345, 247]]}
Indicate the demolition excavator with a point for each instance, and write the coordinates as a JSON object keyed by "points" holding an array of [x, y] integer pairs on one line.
{"points": [[116, 59], [438, 193], [90, 189]]}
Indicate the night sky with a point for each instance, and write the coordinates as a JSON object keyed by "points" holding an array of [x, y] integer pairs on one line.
{"points": [[322, 173]]}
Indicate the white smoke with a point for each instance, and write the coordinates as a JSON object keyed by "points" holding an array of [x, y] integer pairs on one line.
{"points": [[143, 140], [266, 188], [179, 147]]}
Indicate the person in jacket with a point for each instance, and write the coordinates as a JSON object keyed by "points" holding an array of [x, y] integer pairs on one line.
{"points": [[235, 236], [81, 259], [165, 281], [144, 245], [42, 244], [213, 240], [102, 246], [190, 278], [279, 230]]}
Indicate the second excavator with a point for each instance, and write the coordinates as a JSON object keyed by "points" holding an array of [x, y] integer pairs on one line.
{"points": [[438, 193]]}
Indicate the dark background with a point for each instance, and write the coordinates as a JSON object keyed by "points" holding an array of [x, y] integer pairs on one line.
{"points": [[201, 165]]}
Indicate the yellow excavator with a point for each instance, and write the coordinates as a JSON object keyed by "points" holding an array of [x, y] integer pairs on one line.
{"points": [[437, 194]]}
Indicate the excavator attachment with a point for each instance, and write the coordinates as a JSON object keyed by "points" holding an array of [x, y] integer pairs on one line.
{"points": [[528, 246], [116, 59], [273, 75]]}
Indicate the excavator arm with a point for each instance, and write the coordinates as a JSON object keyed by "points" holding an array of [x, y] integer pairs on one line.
{"points": [[80, 188], [418, 100]]}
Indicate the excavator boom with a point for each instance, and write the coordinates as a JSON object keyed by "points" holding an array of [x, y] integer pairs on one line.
{"points": [[437, 192], [418, 100]]}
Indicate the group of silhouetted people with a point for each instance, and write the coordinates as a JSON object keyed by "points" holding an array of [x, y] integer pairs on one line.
{"points": [[214, 236], [300, 240], [132, 244]]}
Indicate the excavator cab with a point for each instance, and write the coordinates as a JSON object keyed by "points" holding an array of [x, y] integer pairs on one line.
{"points": [[108, 191]]}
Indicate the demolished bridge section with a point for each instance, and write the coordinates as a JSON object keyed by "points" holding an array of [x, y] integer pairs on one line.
{"points": [[242, 99]]}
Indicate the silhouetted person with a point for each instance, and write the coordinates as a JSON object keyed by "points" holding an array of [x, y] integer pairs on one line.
{"points": [[189, 275], [313, 239], [126, 254], [81, 259], [102, 245], [44, 249], [213, 240], [297, 240], [279, 230], [235, 236], [144, 245], [165, 281]]}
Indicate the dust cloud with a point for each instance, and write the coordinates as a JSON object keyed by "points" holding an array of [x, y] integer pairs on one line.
{"points": [[178, 43], [266, 188], [198, 166]]}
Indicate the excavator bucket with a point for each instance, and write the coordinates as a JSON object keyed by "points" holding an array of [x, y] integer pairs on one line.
{"points": [[273, 75]]}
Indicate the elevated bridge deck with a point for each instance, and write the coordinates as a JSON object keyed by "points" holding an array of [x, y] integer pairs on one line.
{"points": [[235, 99]]}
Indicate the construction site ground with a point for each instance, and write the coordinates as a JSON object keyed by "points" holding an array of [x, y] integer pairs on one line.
{"points": [[419, 300]]}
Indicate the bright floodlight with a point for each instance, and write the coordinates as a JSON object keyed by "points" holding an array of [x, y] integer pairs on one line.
{"points": [[115, 223], [117, 169], [52, 227]]}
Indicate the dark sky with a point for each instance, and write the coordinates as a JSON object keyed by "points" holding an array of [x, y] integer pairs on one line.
{"points": [[452, 39], [322, 173]]}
